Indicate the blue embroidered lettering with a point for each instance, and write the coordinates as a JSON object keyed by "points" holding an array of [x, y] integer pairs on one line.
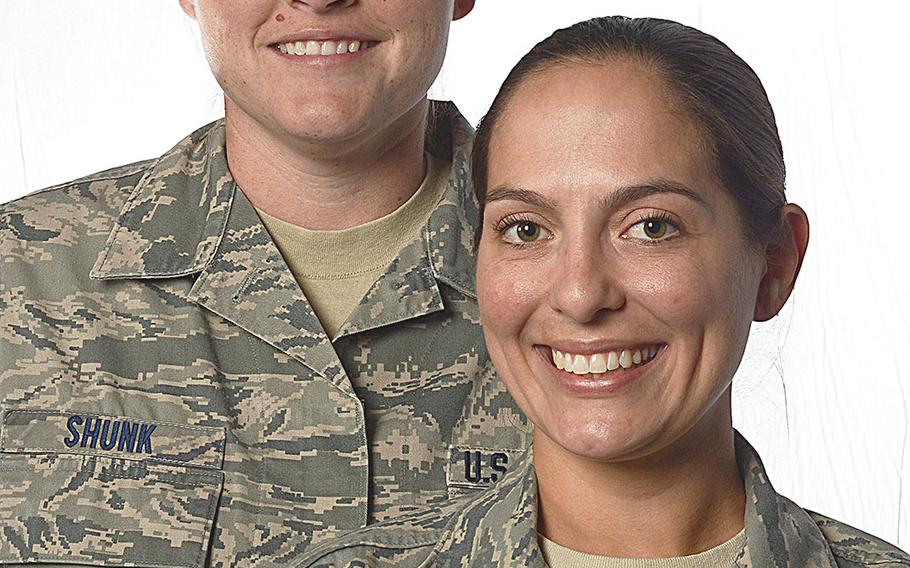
{"points": [[109, 441], [71, 424], [89, 431], [145, 438], [472, 474], [131, 437], [127, 437], [482, 467], [498, 462]]}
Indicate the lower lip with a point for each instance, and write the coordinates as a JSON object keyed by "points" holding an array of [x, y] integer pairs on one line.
{"points": [[610, 383], [324, 61]]}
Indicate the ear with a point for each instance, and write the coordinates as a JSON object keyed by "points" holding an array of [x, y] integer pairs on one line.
{"points": [[783, 259], [462, 8], [189, 6]]}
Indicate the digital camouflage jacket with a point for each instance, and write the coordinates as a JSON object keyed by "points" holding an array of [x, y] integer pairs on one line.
{"points": [[498, 528], [170, 399]]}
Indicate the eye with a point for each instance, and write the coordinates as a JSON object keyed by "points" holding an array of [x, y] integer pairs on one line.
{"points": [[654, 228], [521, 232]]}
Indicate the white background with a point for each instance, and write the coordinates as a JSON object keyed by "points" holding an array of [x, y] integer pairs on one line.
{"points": [[822, 391]]}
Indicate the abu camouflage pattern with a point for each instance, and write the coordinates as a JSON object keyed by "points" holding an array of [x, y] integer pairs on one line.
{"points": [[74, 509], [151, 296], [40, 431], [498, 528]]}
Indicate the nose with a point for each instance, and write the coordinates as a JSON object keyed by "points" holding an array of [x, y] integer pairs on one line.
{"points": [[322, 6], [586, 286]]}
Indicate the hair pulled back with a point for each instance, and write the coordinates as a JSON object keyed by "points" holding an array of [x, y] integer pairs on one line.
{"points": [[723, 94]]}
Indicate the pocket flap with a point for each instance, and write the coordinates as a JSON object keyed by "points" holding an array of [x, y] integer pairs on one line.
{"points": [[39, 431], [82, 509]]}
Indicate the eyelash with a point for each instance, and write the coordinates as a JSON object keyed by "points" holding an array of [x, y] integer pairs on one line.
{"points": [[662, 217], [510, 221]]}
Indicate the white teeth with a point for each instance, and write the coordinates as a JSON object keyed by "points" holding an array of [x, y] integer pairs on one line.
{"points": [[580, 365], [326, 47], [612, 361], [625, 359], [598, 363]]}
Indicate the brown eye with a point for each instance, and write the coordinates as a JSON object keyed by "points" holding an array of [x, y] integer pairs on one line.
{"points": [[527, 232], [522, 232], [655, 228]]}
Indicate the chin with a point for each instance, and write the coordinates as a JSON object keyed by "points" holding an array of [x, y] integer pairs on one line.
{"points": [[600, 440], [325, 125]]}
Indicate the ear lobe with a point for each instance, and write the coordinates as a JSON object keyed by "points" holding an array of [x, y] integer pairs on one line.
{"points": [[769, 301], [462, 8], [189, 7], [783, 260]]}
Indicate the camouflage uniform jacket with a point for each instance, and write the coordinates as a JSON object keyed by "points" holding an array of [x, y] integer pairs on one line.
{"points": [[498, 528], [170, 399]]}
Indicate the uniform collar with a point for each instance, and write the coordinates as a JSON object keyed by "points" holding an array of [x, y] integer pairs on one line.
{"points": [[779, 533], [175, 218], [503, 523], [443, 252], [499, 527], [450, 230]]}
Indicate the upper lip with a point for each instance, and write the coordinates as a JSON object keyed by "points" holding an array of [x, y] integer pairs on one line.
{"points": [[600, 346], [326, 34]]}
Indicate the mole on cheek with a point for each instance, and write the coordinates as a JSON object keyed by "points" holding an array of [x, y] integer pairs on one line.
{"points": [[279, 18]]}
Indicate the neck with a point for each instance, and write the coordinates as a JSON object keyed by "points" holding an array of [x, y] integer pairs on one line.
{"points": [[686, 500], [326, 186]]}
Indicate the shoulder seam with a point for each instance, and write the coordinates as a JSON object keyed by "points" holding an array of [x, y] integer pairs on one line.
{"points": [[865, 562], [106, 175]]}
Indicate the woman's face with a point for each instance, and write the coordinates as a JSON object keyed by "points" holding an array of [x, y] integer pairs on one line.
{"points": [[615, 283], [329, 98]]}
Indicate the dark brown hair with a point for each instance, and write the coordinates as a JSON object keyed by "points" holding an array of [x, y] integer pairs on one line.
{"points": [[720, 90]]}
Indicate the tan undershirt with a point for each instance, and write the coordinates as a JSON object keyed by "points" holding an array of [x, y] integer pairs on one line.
{"points": [[721, 556], [336, 268]]}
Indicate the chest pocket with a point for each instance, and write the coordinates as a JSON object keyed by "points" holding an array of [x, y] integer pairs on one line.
{"points": [[85, 489]]}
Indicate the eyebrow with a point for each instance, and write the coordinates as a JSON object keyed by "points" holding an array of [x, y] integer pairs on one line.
{"points": [[510, 193], [616, 199], [628, 194]]}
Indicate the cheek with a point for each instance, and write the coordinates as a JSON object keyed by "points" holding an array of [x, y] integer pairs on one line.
{"points": [[672, 287], [508, 293], [686, 290], [421, 54], [228, 31]]}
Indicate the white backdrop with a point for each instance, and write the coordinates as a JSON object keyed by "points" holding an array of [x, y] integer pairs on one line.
{"points": [[822, 391]]}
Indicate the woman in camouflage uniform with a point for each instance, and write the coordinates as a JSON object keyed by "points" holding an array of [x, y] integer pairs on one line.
{"points": [[634, 225]]}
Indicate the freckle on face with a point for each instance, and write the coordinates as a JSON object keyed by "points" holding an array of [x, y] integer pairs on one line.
{"points": [[575, 135]]}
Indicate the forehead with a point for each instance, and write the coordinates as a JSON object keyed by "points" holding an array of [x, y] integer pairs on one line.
{"points": [[613, 123]]}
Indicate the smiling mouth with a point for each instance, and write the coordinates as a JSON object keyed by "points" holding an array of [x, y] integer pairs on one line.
{"points": [[313, 48], [600, 365]]}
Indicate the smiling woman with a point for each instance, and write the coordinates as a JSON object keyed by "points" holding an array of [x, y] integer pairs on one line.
{"points": [[268, 335], [634, 226], [619, 312]]}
